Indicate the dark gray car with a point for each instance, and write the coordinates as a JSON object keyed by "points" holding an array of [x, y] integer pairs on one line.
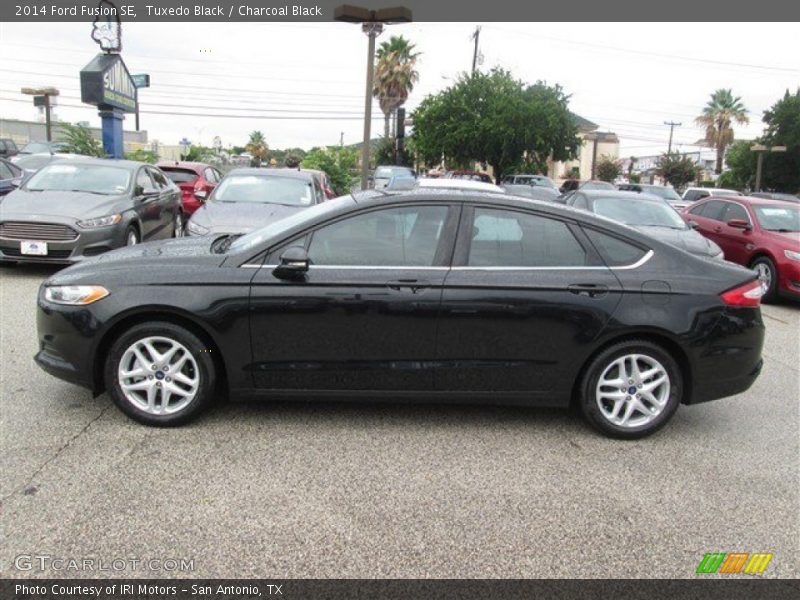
{"points": [[247, 199], [74, 209], [649, 214]]}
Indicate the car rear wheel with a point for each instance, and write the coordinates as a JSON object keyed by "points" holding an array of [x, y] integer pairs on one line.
{"points": [[767, 275], [160, 374], [177, 226], [631, 389]]}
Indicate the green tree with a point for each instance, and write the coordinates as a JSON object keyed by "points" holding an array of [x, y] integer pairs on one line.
{"points": [[197, 153], [718, 116], [741, 163], [142, 155], [79, 140], [496, 119], [395, 76], [781, 170], [607, 169], [677, 169], [338, 163], [257, 147]]}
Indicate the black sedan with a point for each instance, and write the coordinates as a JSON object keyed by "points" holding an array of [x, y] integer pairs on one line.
{"points": [[436, 294], [10, 176], [247, 199], [74, 209], [649, 214]]}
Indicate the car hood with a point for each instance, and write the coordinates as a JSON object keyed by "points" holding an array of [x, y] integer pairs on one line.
{"points": [[22, 205], [685, 239], [789, 239], [240, 217]]}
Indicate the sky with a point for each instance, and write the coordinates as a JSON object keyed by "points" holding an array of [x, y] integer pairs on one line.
{"points": [[303, 84]]}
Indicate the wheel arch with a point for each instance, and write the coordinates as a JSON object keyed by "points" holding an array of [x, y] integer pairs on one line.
{"points": [[660, 337], [149, 314]]}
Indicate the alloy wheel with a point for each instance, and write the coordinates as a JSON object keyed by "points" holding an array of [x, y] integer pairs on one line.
{"points": [[632, 390], [178, 225], [764, 276], [158, 375], [132, 238]]}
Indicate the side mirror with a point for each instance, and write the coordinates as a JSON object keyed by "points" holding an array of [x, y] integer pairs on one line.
{"points": [[294, 264], [148, 192], [201, 195], [740, 224], [693, 224]]}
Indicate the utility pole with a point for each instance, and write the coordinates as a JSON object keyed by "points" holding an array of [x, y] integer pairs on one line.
{"points": [[341, 139], [41, 97], [672, 125], [476, 36]]}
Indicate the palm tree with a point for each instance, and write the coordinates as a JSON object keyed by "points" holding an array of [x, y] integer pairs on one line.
{"points": [[395, 76], [718, 116], [257, 147]]}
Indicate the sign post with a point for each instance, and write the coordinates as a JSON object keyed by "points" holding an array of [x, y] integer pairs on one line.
{"points": [[107, 84], [140, 80]]}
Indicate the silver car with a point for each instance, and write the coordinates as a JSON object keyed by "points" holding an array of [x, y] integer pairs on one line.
{"points": [[74, 209]]}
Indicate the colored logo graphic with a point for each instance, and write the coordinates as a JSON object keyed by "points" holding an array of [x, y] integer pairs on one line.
{"points": [[734, 563]]}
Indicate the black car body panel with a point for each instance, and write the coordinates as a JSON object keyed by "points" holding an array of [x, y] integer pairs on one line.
{"points": [[446, 329]]}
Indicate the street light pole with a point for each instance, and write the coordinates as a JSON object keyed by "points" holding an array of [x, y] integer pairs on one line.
{"points": [[760, 150], [42, 98], [372, 22], [373, 30]]}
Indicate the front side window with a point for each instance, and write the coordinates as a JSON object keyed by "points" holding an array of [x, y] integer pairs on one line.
{"points": [[736, 211], [407, 236], [502, 238], [143, 181]]}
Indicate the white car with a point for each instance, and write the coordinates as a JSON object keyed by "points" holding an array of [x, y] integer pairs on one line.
{"points": [[693, 194], [459, 184]]}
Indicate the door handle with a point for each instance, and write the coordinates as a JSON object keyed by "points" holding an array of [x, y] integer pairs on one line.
{"points": [[413, 285], [588, 289]]}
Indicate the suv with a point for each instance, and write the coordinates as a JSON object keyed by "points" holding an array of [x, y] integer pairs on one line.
{"points": [[525, 179], [8, 148], [693, 194]]}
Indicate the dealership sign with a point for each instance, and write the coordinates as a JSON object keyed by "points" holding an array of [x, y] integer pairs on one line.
{"points": [[107, 84]]}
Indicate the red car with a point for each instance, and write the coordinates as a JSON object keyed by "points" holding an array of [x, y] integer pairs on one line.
{"points": [[759, 233], [196, 180]]}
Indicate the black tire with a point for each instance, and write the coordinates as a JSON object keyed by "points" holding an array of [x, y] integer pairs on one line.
{"points": [[132, 232], [199, 351], [764, 262], [597, 366]]}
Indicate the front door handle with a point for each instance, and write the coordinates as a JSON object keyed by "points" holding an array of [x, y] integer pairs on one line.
{"points": [[415, 286], [588, 289]]}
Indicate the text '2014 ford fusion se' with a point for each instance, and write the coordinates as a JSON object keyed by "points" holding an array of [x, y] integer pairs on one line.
{"points": [[438, 294]]}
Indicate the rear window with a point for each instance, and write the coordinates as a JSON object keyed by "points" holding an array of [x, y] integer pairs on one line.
{"points": [[615, 251], [180, 175]]}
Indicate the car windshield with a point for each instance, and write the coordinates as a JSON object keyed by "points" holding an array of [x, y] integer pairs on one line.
{"points": [[35, 148], [639, 212], [662, 192], [95, 179], [389, 172], [264, 189], [778, 218], [597, 185]]}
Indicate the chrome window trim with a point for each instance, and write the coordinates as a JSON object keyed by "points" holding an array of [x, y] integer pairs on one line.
{"points": [[635, 265]]}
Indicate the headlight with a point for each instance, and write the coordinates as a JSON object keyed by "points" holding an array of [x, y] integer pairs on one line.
{"points": [[100, 222], [791, 255], [75, 295], [196, 229]]}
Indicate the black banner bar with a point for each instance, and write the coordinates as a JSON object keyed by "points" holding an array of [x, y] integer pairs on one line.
{"points": [[734, 588], [422, 10]]}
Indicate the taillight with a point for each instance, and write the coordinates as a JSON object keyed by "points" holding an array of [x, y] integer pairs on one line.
{"points": [[748, 294]]}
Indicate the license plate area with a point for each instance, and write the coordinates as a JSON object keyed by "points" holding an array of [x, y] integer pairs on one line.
{"points": [[33, 248]]}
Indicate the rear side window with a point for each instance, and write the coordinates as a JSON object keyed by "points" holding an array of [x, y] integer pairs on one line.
{"points": [[615, 251], [714, 209], [503, 238]]}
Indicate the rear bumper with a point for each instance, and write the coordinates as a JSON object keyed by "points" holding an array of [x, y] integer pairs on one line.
{"points": [[713, 390]]}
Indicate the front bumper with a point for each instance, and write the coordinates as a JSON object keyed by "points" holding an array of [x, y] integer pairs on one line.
{"points": [[88, 243]]}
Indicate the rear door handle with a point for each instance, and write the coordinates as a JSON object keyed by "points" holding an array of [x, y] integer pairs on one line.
{"points": [[588, 289], [415, 286]]}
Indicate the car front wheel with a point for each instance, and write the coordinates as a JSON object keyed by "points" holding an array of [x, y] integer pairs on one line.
{"points": [[631, 389], [160, 374], [768, 277]]}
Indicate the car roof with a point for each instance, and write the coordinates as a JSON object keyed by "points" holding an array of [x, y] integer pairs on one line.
{"points": [[459, 184], [755, 201], [305, 175]]}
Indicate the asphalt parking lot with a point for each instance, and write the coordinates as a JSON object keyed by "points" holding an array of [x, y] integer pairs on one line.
{"points": [[316, 490]]}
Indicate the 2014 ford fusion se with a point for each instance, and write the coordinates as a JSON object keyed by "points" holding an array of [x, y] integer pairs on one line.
{"points": [[432, 294]]}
